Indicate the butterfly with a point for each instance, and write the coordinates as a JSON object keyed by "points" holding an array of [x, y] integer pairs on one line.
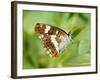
{"points": [[55, 40]]}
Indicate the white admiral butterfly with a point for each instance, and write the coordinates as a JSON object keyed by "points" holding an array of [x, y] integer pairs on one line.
{"points": [[54, 39]]}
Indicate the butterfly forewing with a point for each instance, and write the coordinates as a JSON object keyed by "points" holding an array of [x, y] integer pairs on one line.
{"points": [[54, 39]]}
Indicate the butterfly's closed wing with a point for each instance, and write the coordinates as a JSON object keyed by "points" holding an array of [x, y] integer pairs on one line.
{"points": [[54, 39]]}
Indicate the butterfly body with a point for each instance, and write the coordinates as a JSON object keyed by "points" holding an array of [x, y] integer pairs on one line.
{"points": [[54, 39]]}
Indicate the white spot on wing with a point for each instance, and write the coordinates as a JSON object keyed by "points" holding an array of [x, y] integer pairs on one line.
{"points": [[49, 50], [41, 36], [47, 29], [56, 32], [53, 40]]}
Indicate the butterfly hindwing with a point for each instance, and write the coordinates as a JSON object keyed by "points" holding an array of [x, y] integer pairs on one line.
{"points": [[48, 44], [54, 39]]}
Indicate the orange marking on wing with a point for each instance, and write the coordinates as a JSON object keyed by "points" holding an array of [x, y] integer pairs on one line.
{"points": [[58, 39], [53, 52], [62, 33], [46, 41], [40, 28]]}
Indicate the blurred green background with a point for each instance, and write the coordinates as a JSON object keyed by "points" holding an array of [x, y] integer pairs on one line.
{"points": [[77, 53]]}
